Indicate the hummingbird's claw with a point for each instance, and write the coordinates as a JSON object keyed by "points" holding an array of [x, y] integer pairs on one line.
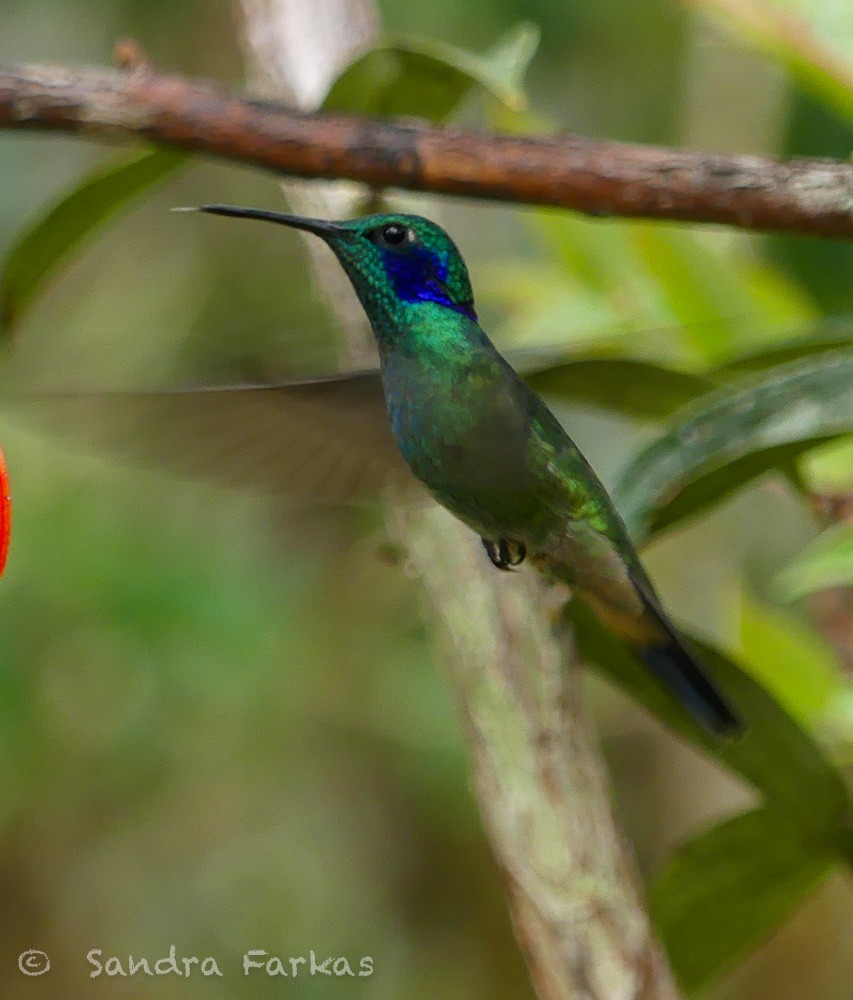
{"points": [[506, 554]]}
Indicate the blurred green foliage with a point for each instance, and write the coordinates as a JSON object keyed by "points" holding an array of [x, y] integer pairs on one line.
{"points": [[220, 722], [827, 562], [424, 78]]}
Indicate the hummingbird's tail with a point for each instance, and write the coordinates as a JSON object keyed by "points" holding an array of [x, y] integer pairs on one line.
{"points": [[680, 672], [654, 640]]}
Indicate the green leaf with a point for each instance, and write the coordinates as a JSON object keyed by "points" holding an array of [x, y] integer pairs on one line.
{"points": [[665, 277], [47, 245], [828, 470], [830, 333], [733, 435], [827, 562], [775, 754], [424, 78], [729, 888], [789, 659], [507, 61], [635, 388], [639, 388], [600, 256], [702, 289], [795, 39]]}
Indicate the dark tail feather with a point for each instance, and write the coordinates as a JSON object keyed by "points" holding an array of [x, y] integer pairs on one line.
{"points": [[653, 639], [666, 655], [680, 672]]}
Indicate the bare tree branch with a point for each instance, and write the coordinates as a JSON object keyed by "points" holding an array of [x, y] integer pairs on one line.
{"points": [[602, 178], [542, 788], [294, 51]]}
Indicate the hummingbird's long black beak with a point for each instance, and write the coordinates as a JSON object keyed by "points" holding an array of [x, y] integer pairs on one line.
{"points": [[320, 227]]}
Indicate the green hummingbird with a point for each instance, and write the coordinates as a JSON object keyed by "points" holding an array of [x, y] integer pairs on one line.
{"points": [[487, 447], [468, 427]]}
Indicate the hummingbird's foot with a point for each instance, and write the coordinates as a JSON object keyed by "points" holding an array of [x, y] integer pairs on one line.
{"points": [[506, 554]]}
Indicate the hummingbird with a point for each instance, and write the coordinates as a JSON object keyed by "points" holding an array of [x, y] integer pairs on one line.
{"points": [[445, 409], [486, 446]]}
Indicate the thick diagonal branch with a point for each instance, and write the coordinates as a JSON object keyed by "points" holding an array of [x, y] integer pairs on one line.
{"points": [[575, 899], [603, 178]]}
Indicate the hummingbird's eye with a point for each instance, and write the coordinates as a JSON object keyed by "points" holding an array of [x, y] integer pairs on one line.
{"points": [[395, 234]]}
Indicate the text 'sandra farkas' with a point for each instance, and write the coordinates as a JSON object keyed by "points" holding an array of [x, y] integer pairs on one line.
{"points": [[255, 961]]}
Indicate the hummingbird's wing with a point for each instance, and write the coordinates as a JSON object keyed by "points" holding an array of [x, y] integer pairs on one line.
{"points": [[321, 441]]}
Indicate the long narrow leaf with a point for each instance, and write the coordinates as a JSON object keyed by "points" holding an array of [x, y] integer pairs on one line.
{"points": [[635, 388], [427, 79], [827, 562], [47, 245], [734, 435], [830, 333], [731, 887], [775, 754], [816, 61]]}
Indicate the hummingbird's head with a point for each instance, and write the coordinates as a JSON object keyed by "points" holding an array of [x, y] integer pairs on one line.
{"points": [[395, 262]]}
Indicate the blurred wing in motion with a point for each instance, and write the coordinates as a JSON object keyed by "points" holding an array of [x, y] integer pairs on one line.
{"points": [[325, 441]]}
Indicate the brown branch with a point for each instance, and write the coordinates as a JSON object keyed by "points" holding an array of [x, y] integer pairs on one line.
{"points": [[575, 898], [602, 178]]}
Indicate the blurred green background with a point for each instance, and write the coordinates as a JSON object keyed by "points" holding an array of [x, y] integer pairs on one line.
{"points": [[221, 723]]}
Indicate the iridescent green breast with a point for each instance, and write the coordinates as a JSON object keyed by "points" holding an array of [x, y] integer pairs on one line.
{"points": [[463, 428]]}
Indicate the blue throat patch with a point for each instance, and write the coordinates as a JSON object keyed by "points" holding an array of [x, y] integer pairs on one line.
{"points": [[419, 275]]}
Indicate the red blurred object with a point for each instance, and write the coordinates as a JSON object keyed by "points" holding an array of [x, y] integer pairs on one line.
{"points": [[5, 513]]}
